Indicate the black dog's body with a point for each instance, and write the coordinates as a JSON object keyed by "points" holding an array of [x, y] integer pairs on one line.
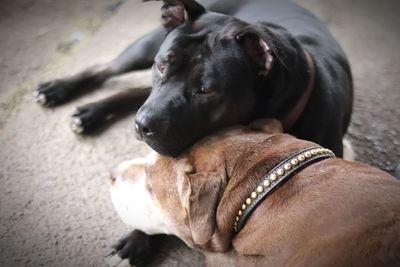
{"points": [[290, 29]]}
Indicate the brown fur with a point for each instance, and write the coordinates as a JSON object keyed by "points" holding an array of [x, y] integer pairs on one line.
{"points": [[332, 213]]}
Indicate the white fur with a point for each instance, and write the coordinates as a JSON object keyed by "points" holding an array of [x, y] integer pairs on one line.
{"points": [[151, 158], [135, 204], [348, 152]]}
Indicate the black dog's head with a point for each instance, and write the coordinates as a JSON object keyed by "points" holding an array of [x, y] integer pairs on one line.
{"points": [[203, 76]]}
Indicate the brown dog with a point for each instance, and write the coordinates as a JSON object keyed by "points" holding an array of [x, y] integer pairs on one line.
{"points": [[331, 213]]}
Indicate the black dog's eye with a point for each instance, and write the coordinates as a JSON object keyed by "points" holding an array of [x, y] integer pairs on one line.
{"points": [[203, 91], [161, 67]]}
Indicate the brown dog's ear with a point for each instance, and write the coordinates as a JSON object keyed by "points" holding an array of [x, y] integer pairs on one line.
{"points": [[205, 192], [173, 12]]}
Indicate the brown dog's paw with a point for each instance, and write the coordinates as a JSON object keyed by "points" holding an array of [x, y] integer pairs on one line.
{"points": [[267, 125]]}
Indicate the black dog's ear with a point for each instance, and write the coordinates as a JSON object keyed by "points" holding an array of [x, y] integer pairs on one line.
{"points": [[172, 15], [267, 45], [258, 49], [175, 12]]}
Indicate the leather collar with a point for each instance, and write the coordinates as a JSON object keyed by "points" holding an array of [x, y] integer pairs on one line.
{"points": [[289, 120], [276, 177]]}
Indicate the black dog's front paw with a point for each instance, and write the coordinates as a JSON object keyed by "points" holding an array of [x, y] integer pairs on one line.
{"points": [[137, 247], [87, 118], [52, 93]]}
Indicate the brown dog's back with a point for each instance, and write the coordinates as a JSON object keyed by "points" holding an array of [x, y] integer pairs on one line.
{"points": [[333, 213]]}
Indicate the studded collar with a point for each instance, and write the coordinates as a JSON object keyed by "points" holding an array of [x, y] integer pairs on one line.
{"points": [[276, 177]]}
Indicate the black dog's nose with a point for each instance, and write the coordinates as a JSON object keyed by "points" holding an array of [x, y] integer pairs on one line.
{"points": [[142, 130]]}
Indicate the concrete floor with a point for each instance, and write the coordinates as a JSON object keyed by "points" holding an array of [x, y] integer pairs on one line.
{"points": [[54, 202]]}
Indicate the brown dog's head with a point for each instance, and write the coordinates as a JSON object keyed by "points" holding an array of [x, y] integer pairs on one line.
{"points": [[181, 196]]}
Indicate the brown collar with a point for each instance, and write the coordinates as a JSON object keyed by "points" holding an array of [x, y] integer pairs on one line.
{"points": [[289, 121], [276, 177]]}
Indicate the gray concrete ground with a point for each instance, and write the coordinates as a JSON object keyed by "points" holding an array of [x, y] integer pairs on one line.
{"points": [[54, 202]]}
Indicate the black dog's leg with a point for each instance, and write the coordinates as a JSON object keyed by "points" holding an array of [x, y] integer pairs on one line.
{"points": [[139, 55], [88, 117], [58, 91], [138, 247]]}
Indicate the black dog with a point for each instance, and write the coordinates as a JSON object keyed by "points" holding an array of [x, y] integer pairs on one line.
{"points": [[265, 59]]}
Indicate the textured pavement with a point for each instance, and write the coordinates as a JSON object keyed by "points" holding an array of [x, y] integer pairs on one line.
{"points": [[55, 208]]}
